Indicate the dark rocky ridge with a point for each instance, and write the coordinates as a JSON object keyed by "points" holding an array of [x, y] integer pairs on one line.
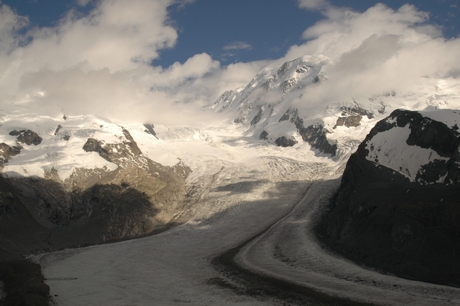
{"points": [[382, 220]]}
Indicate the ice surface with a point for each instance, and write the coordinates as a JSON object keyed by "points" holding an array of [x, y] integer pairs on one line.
{"points": [[242, 187], [239, 197]]}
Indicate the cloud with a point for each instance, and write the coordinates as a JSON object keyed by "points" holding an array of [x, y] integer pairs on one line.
{"points": [[100, 63], [313, 4], [377, 51], [238, 45], [83, 2], [10, 24]]}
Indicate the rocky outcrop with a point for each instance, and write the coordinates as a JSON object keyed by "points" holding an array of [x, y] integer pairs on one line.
{"points": [[285, 142], [263, 135], [349, 121], [352, 116], [27, 136], [93, 145], [149, 129], [315, 135], [396, 218]]}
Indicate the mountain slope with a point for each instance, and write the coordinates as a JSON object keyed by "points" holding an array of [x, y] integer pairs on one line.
{"points": [[82, 180], [398, 206]]}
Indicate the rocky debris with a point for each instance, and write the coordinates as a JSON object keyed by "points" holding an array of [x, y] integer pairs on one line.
{"points": [[285, 142], [385, 221], [27, 136], [149, 129]]}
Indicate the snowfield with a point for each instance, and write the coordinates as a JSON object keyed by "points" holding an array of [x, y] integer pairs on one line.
{"points": [[241, 189]]}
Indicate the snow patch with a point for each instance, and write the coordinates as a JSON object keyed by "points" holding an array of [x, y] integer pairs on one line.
{"points": [[449, 117], [390, 149]]}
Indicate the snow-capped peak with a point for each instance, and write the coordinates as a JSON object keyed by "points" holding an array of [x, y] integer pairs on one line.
{"points": [[295, 74], [277, 106]]}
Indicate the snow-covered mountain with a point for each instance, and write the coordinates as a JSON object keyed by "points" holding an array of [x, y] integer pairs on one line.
{"points": [[276, 106]]}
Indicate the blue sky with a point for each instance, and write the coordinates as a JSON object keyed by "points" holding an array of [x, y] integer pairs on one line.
{"points": [[144, 58], [232, 30]]}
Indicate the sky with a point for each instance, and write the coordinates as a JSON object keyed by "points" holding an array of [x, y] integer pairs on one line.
{"points": [[154, 59]]}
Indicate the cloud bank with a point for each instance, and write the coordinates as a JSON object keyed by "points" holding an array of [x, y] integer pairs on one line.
{"points": [[378, 51], [100, 63]]}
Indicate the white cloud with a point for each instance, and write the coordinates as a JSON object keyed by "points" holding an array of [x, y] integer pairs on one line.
{"points": [[238, 45], [10, 23], [83, 2], [313, 4], [377, 51], [100, 63]]}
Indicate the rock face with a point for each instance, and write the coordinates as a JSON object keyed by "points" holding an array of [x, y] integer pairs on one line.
{"points": [[398, 206], [6, 152]]}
